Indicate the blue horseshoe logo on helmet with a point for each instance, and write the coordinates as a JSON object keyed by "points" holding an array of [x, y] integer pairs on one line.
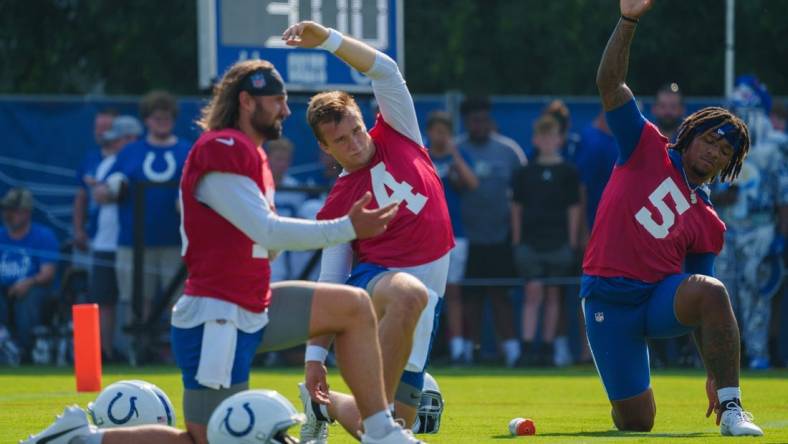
{"points": [[132, 409], [244, 431]]}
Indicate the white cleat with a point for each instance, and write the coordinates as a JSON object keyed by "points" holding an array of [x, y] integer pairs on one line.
{"points": [[72, 423], [736, 422], [314, 430], [397, 435]]}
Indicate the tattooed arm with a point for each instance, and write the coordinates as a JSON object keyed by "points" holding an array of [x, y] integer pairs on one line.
{"points": [[612, 71]]}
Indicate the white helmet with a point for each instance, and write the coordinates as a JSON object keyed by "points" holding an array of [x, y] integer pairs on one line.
{"points": [[428, 416], [253, 417], [131, 403]]}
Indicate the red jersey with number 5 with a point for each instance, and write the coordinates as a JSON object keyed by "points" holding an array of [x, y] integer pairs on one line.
{"points": [[646, 223], [223, 262], [400, 170]]}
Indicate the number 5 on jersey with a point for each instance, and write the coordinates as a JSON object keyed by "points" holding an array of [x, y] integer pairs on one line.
{"points": [[382, 181], [657, 198]]}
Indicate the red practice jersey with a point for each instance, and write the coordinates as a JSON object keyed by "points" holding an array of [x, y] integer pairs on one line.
{"points": [[400, 170], [646, 224], [223, 262]]}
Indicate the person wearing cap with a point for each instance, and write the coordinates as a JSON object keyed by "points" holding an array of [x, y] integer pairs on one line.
{"points": [[155, 159], [102, 221], [28, 253], [649, 266]]}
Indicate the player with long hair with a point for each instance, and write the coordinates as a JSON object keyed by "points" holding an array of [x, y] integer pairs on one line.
{"points": [[654, 219], [229, 310]]}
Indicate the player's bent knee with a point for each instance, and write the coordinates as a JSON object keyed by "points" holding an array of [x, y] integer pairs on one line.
{"points": [[635, 424], [359, 306], [411, 299], [633, 421], [635, 414], [714, 294]]}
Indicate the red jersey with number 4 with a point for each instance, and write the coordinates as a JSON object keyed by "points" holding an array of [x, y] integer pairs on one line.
{"points": [[223, 262], [400, 170], [646, 223]]}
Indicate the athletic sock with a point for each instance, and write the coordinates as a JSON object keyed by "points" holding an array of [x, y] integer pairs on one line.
{"points": [[726, 394], [379, 424]]}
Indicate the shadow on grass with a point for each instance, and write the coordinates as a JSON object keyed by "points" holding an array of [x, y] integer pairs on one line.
{"points": [[615, 434]]}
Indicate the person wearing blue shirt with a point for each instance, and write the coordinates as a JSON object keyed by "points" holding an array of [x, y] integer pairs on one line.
{"points": [[595, 158], [83, 206], [455, 168], [103, 224], [28, 252], [156, 159]]}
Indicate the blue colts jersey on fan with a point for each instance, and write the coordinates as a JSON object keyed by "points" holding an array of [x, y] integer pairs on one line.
{"points": [[142, 162], [22, 258]]}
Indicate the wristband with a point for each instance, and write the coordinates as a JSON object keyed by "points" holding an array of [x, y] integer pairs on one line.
{"points": [[629, 19], [334, 40], [315, 353]]}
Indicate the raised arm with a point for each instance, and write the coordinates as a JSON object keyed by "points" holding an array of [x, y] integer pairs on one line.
{"points": [[612, 72], [388, 85]]}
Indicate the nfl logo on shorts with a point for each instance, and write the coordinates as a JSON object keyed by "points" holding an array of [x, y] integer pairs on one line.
{"points": [[599, 316]]}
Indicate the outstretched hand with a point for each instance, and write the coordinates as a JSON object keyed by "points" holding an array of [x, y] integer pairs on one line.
{"points": [[306, 34], [714, 402], [370, 223], [315, 379], [635, 8]]}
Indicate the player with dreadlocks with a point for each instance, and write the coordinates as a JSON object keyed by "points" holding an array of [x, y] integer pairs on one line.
{"points": [[648, 269]]}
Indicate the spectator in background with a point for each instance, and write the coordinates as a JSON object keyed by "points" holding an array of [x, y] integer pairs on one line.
{"points": [[754, 208], [158, 158], [668, 109], [287, 203], [486, 216], [454, 167], [101, 123], [103, 224], [28, 254], [546, 216], [569, 141], [595, 159]]}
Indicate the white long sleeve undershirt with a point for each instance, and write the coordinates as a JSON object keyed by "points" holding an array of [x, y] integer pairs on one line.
{"points": [[239, 200], [394, 99]]}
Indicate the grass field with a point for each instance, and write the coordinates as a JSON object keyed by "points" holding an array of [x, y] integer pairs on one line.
{"points": [[568, 406]]}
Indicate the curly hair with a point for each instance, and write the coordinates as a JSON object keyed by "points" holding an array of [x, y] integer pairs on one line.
{"points": [[709, 119]]}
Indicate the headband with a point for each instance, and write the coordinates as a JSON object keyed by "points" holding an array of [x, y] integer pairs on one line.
{"points": [[725, 130], [264, 82]]}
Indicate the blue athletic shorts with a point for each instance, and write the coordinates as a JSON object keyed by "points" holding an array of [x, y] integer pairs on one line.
{"points": [[360, 277], [617, 333], [186, 345]]}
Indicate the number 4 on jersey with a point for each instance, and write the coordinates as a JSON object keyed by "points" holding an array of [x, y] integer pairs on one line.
{"points": [[382, 181]]}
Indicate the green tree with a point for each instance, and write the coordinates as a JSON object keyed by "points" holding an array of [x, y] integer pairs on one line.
{"points": [[476, 46]]}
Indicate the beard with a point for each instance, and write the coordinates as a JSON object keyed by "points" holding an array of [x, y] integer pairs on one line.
{"points": [[270, 127], [669, 124]]}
